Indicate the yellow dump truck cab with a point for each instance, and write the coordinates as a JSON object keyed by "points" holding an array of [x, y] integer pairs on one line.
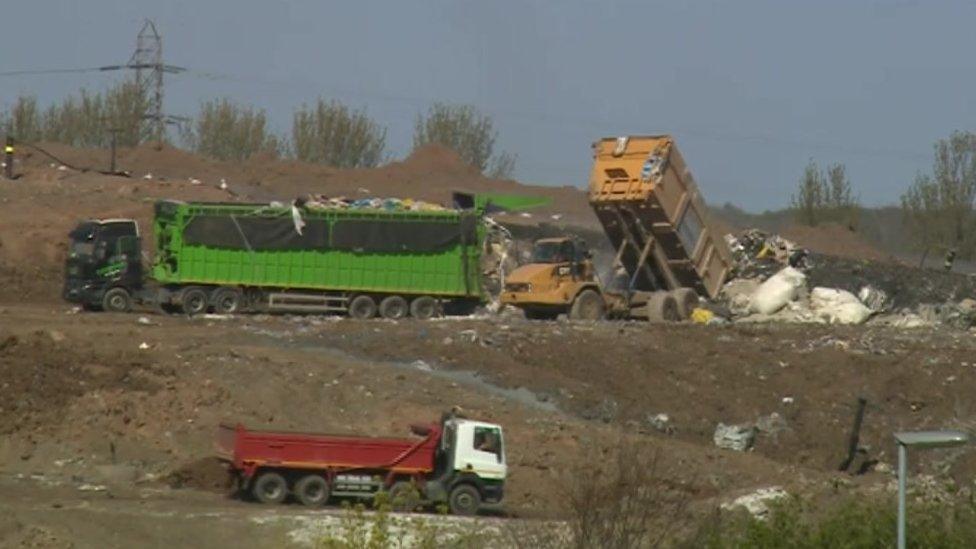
{"points": [[558, 279]]}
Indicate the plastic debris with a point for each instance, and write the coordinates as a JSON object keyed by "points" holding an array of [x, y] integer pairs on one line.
{"points": [[838, 306], [702, 316], [757, 503], [661, 422], [773, 294], [875, 299], [322, 202], [143, 346], [734, 437]]}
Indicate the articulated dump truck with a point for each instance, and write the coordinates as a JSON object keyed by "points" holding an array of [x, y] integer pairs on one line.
{"points": [[666, 254], [235, 257]]}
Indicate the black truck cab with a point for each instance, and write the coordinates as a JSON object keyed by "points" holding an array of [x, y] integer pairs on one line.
{"points": [[104, 265]]}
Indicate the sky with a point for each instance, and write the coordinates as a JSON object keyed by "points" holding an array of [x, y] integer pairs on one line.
{"points": [[752, 90]]}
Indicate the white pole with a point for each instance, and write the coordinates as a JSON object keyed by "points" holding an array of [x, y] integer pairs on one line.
{"points": [[902, 467]]}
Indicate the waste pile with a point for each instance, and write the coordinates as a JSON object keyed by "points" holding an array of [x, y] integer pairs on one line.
{"points": [[386, 204], [775, 280]]}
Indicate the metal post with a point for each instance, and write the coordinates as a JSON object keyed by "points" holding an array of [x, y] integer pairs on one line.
{"points": [[115, 135], [902, 472]]}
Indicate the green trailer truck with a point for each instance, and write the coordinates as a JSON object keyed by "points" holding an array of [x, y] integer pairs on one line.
{"points": [[232, 257]]}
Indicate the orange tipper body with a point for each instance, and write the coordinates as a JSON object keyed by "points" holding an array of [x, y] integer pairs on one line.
{"points": [[651, 210]]}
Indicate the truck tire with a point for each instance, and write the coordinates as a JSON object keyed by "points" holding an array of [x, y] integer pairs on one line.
{"points": [[404, 497], [687, 300], [362, 307], [394, 307], [117, 300], [588, 305], [227, 301], [270, 488], [312, 490], [464, 500], [662, 307], [423, 307], [193, 301]]}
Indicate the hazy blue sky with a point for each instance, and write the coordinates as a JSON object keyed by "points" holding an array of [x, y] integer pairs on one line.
{"points": [[751, 89]]}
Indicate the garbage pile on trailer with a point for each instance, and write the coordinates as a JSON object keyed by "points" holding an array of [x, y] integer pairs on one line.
{"points": [[387, 204]]}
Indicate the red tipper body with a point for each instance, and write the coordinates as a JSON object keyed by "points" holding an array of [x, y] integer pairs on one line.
{"points": [[248, 450]]}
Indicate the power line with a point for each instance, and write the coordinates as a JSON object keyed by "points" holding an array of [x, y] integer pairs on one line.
{"points": [[52, 71]]}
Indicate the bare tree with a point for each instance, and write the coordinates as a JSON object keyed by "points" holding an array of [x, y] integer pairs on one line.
{"points": [[330, 133], [939, 207], [808, 199], [228, 131], [825, 197], [621, 500], [502, 166]]}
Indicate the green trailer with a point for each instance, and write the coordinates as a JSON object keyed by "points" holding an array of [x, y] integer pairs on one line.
{"points": [[233, 257]]}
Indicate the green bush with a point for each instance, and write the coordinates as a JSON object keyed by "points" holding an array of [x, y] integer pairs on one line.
{"points": [[228, 131], [853, 524], [82, 120], [330, 133], [466, 131]]}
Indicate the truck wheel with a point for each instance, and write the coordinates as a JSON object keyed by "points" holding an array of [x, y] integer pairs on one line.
{"points": [[362, 307], [404, 497], [312, 490], [662, 307], [588, 305], [687, 300], [464, 500], [194, 301], [270, 488], [394, 307], [227, 301], [423, 307], [117, 300]]}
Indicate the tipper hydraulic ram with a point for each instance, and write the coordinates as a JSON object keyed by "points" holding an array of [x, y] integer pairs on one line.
{"points": [[666, 254], [459, 462]]}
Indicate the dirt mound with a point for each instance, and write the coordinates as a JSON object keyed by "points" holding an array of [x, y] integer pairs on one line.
{"points": [[42, 376], [208, 474], [835, 240]]}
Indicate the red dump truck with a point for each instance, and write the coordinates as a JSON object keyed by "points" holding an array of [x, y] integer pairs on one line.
{"points": [[458, 462]]}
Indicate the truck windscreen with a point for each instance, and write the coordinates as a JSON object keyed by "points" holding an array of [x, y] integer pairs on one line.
{"points": [[552, 252], [83, 239]]}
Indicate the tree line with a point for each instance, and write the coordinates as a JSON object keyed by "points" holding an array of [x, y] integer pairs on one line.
{"points": [[324, 132], [938, 208]]}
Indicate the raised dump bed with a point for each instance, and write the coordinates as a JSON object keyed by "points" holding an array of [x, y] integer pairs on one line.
{"points": [[651, 210]]}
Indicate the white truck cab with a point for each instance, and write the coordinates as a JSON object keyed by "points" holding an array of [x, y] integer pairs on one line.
{"points": [[479, 449]]}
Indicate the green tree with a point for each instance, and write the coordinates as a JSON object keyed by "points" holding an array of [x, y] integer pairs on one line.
{"points": [[332, 134], [228, 131], [466, 131], [84, 119], [939, 207], [23, 120]]}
